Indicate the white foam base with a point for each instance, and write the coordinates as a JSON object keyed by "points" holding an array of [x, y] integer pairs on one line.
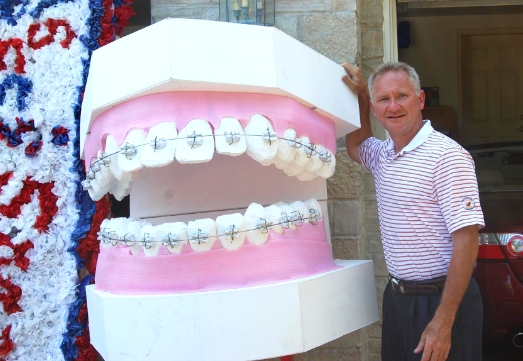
{"points": [[242, 324]]}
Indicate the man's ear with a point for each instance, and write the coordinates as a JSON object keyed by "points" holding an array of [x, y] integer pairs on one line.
{"points": [[373, 110], [421, 99]]}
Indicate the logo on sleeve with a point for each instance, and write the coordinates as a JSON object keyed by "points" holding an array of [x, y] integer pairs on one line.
{"points": [[468, 203]]}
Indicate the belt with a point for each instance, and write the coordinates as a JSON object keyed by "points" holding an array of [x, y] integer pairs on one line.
{"points": [[428, 287]]}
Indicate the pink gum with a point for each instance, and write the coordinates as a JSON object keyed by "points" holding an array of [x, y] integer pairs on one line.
{"points": [[182, 107], [292, 255]]}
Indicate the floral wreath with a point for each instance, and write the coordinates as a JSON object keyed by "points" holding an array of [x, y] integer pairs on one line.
{"points": [[48, 223]]}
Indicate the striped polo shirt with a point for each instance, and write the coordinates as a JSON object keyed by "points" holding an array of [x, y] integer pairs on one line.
{"points": [[425, 192]]}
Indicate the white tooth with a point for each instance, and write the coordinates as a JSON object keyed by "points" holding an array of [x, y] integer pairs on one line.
{"points": [[133, 236], [262, 142], [150, 241], [286, 216], [118, 191], [314, 208], [161, 145], [315, 162], [173, 236], [112, 149], [105, 227], [306, 176], [273, 214], [229, 137], [118, 228], [327, 169], [301, 212], [253, 218], [293, 169], [202, 234], [231, 230], [280, 163], [95, 192], [286, 149], [302, 158], [130, 151], [195, 143], [101, 184]]}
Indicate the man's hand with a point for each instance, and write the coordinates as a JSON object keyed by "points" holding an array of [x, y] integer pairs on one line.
{"points": [[435, 340], [356, 81]]}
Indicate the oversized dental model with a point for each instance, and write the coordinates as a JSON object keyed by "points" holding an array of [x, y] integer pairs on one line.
{"points": [[226, 164]]}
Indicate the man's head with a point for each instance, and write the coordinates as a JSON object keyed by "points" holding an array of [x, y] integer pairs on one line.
{"points": [[397, 98]]}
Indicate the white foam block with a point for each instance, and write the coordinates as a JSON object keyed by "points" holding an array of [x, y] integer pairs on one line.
{"points": [[202, 234], [231, 238], [161, 145], [173, 235], [252, 218], [250, 323], [134, 140], [229, 137], [195, 143], [259, 146]]}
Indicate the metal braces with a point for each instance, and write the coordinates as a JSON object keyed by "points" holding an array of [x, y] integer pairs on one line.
{"points": [[195, 139], [86, 185], [310, 150], [325, 157], [232, 137], [232, 233], [269, 136], [158, 143], [146, 242], [199, 237], [170, 241], [264, 226], [129, 150], [294, 142], [314, 217]]}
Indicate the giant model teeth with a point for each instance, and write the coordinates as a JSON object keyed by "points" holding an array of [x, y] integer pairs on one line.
{"points": [[202, 234], [230, 138], [315, 162], [150, 240], [314, 208], [133, 236], [301, 212], [273, 215], [286, 216], [118, 191], [195, 143], [329, 165], [262, 142], [256, 224], [112, 149], [292, 169], [231, 230], [173, 236], [287, 147], [161, 145], [100, 178], [130, 151], [303, 156]]}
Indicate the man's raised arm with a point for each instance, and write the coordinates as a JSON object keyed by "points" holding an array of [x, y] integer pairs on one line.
{"points": [[356, 81]]}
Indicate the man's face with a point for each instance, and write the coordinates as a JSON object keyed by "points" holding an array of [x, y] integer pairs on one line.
{"points": [[395, 103]]}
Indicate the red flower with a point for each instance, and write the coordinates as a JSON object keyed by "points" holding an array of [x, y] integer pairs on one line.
{"points": [[8, 344]]}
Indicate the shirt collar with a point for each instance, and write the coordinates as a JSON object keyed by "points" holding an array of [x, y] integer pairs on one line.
{"points": [[420, 138]]}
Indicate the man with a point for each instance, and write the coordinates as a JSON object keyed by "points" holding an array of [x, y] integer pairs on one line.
{"points": [[429, 214]]}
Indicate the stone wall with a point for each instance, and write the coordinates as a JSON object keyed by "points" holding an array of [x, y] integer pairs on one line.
{"points": [[342, 30]]}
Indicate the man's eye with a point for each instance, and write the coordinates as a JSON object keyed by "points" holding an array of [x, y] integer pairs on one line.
{"points": [[382, 99], [403, 95]]}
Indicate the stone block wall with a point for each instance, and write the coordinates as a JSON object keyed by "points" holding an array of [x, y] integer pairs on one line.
{"points": [[342, 30]]}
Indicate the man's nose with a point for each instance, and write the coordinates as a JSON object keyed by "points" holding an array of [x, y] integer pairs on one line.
{"points": [[393, 105]]}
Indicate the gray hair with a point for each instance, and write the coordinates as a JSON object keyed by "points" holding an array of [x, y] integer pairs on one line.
{"points": [[396, 66]]}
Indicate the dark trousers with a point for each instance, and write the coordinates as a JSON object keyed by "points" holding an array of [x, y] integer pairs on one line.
{"points": [[406, 316]]}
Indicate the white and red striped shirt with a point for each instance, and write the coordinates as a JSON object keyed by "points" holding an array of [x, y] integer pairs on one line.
{"points": [[425, 192]]}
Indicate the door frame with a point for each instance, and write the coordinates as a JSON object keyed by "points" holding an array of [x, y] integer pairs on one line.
{"points": [[474, 31]]}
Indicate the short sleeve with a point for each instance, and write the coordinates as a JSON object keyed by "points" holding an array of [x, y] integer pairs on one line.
{"points": [[370, 150], [456, 190]]}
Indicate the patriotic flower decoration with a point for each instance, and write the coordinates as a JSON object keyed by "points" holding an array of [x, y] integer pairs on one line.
{"points": [[47, 221]]}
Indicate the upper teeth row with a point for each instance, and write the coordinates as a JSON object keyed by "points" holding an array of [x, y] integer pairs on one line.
{"points": [[230, 229], [196, 144]]}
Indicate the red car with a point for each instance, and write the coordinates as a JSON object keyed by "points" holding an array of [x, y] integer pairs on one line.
{"points": [[499, 268]]}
